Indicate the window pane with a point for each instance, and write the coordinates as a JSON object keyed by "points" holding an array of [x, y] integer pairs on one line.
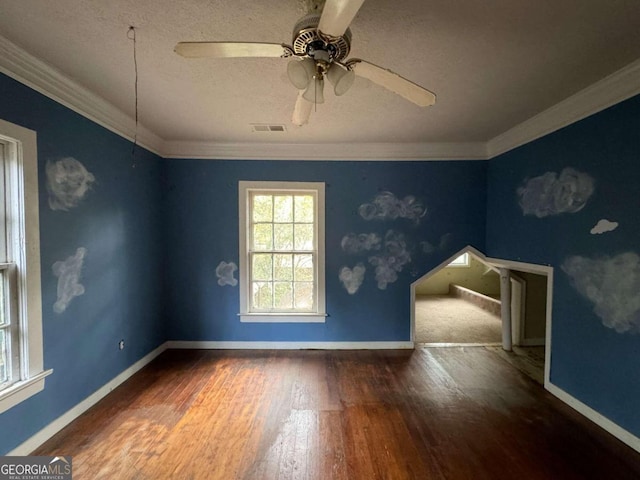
{"points": [[262, 267], [283, 295], [303, 268], [262, 236], [303, 237], [304, 208], [461, 260], [283, 267], [3, 304], [263, 208], [303, 298], [283, 236], [4, 367], [283, 208], [262, 295]]}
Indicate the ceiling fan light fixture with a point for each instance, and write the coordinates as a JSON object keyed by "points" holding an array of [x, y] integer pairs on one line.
{"points": [[341, 79], [320, 46], [301, 111], [315, 91], [301, 72]]}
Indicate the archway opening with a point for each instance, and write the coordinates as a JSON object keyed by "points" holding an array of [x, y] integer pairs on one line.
{"points": [[472, 300]]}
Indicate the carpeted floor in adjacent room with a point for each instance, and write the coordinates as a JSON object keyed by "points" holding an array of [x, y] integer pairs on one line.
{"points": [[445, 319]]}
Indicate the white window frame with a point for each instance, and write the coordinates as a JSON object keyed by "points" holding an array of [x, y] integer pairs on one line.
{"points": [[23, 250], [461, 261], [245, 188]]}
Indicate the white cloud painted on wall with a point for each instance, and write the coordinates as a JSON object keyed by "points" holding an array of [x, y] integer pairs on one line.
{"points": [[553, 194], [67, 183], [353, 243], [224, 272], [612, 284], [68, 273], [386, 206], [604, 226], [391, 260], [352, 278]]}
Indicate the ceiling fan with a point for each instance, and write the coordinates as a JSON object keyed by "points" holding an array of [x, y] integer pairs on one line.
{"points": [[320, 45]]}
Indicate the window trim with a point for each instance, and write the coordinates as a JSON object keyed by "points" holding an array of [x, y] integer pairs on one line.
{"points": [[21, 164], [244, 189]]}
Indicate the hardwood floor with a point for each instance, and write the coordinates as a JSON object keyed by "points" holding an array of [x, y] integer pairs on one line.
{"points": [[441, 413]]}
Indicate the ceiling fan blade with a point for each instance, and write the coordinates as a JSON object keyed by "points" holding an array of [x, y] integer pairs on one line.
{"points": [[230, 49], [302, 110], [394, 82], [337, 15]]}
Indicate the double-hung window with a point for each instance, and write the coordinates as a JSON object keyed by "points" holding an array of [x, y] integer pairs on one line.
{"points": [[21, 362], [281, 251], [9, 331]]}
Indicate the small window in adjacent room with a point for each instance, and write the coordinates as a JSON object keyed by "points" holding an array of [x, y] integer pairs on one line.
{"points": [[21, 362], [281, 251], [461, 261]]}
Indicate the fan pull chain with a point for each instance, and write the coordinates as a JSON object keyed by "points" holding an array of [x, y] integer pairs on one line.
{"points": [[131, 35]]}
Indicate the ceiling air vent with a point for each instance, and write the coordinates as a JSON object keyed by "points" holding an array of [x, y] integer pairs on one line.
{"points": [[261, 127]]}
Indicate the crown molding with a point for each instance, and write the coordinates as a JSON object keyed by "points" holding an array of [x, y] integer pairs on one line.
{"points": [[27, 69], [327, 151], [617, 87]]}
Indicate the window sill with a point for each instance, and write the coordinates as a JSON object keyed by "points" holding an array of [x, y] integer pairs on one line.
{"points": [[283, 317], [19, 392]]}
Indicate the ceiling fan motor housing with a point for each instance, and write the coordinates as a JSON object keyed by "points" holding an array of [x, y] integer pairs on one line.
{"points": [[308, 42]]}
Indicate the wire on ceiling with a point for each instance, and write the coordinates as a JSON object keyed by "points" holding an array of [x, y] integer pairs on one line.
{"points": [[131, 35]]}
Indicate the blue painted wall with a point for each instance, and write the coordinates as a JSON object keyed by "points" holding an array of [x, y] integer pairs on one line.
{"points": [[593, 362], [119, 223], [202, 230]]}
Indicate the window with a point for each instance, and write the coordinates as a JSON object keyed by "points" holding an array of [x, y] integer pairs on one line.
{"points": [[461, 261], [281, 252], [21, 363]]}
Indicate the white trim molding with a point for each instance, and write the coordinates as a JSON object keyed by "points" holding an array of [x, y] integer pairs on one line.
{"points": [[613, 428], [326, 151], [224, 345], [65, 419], [615, 88], [45, 79], [20, 391]]}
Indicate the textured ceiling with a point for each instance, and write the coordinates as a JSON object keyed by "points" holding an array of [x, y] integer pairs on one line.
{"points": [[493, 64]]}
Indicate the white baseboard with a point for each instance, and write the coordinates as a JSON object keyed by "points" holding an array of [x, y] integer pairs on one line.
{"points": [[59, 423], [290, 345], [613, 428]]}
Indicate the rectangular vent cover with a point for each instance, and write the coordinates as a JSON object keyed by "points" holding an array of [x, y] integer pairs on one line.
{"points": [[261, 127]]}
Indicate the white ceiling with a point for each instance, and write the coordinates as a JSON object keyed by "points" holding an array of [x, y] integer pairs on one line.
{"points": [[493, 64]]}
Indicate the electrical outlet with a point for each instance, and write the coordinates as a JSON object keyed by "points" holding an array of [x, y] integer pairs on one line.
{"points": [[121, 345]]}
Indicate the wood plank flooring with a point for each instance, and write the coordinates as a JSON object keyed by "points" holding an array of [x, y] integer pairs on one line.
{"points": [[441, 413]]}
